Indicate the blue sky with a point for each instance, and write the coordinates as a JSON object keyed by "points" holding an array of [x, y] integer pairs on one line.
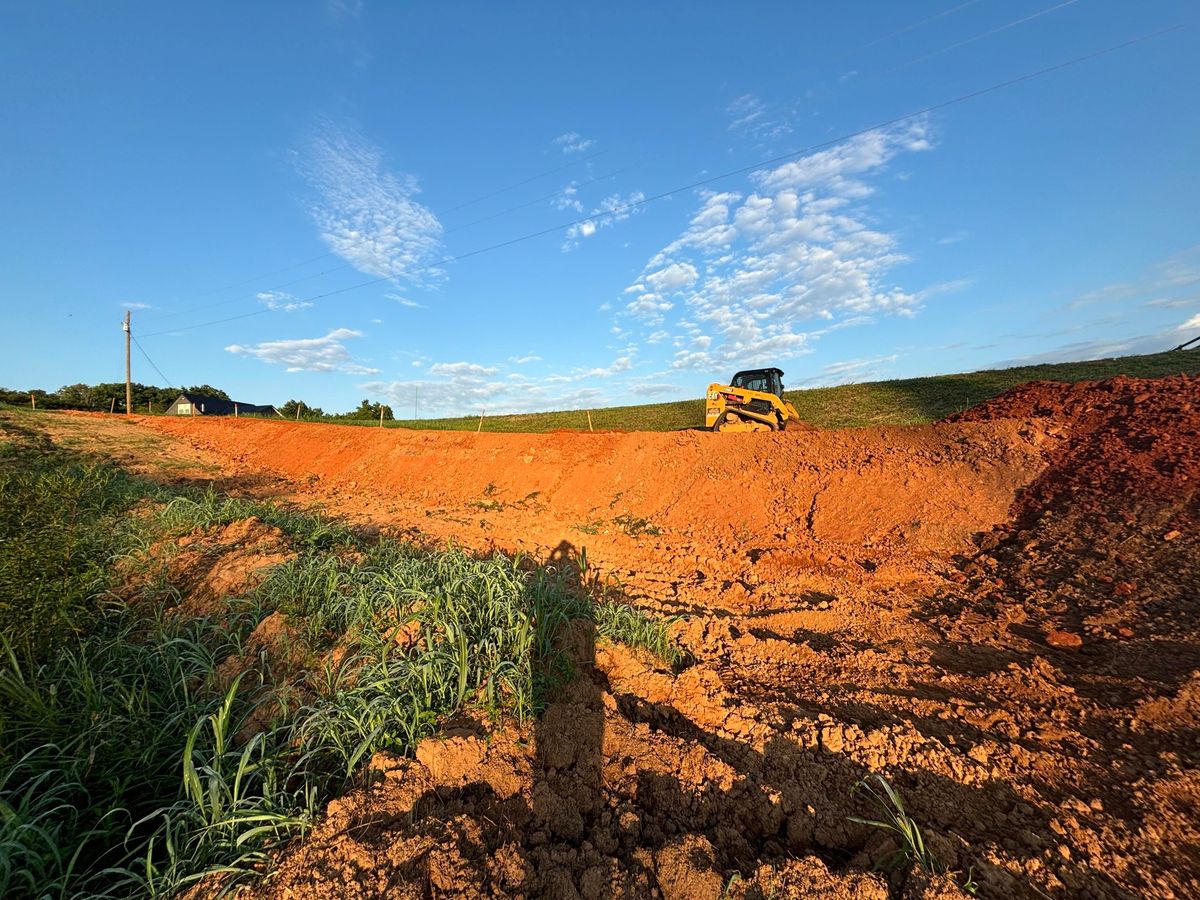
{"points": [[340, 183]]}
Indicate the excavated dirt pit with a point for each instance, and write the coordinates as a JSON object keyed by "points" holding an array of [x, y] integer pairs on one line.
{"points": [[998, 613]]}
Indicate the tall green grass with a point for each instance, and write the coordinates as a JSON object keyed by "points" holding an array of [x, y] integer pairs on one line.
{"points": [[128, 769]]}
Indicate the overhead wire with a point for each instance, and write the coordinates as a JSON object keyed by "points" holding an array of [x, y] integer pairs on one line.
{"points": [[168, 382], [918, 24], [983, 34], [481, 198], [742, 170]]}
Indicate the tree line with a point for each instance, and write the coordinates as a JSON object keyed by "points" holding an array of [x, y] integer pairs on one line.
{"points": [[149, 398]]}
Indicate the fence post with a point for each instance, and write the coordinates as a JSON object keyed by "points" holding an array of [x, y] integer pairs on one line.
{"points": [[235, 410], [589, 412], [32, 400], [479, 428], [381, 415], [112, 406]]}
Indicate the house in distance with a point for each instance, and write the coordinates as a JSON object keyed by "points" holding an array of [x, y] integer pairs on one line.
{"points": [[193, 404]]}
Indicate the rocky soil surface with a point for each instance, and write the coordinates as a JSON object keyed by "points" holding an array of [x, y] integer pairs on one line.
{"points": [[998, 613]]}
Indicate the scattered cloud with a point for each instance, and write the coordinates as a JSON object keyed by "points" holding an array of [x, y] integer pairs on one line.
{"points": [[405, 301], [281, 301], [573, 142], [1172, 282], [568, 198], [133, 304], [367, 214], [609, 212], [1192, 324], [344, 9], [755, 278], [524, 360], [954, 237], [751, 117], [457, 369], [851, 371], [323, 354], [656, 390]]}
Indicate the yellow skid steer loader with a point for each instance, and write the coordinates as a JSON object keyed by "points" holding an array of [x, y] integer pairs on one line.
{"points": [[752, 401]]}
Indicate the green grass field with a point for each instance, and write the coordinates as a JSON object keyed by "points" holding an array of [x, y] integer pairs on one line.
{"points": [[906, 401]]}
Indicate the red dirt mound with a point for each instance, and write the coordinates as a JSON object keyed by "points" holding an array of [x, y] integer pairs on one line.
{"points": [[1000, 614], [1131, 440]]}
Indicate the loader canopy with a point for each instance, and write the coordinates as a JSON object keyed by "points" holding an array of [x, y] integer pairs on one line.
{"points": [[767, 381]]}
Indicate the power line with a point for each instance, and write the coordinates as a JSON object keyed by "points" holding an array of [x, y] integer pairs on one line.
{"points": [[168, 382], [329, 253], [487, 196], [494, 193], [634, 204], [918, 24], [983, 34]]}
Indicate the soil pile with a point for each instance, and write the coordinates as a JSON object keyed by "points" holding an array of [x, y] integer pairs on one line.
{"points": [[998, 613]]}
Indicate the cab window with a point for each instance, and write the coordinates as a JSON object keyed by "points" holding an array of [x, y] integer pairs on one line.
{"points": [[755, 381]]}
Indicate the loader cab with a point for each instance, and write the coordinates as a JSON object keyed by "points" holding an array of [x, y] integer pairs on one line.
{"points": [[766, 381]]}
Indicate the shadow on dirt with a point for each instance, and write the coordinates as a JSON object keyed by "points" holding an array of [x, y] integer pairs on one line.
{"points": [[628, 796]]}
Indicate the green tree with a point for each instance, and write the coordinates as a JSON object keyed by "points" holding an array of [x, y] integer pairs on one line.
{"points": [[209, 390], [369, 410], [306, 412]]}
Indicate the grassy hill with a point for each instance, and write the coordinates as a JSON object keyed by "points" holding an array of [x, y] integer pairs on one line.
{"points": [[905, 401]]}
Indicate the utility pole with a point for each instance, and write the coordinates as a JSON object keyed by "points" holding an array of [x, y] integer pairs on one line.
{"points": [[128, 371]]}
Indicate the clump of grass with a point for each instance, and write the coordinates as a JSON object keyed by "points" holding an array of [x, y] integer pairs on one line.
{"points": [[635, 525], [310, 530], [125, 771], [631, 626], [895, 820]]}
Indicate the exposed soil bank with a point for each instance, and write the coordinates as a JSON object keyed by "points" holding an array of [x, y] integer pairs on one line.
{"points": [[1000, 614]]}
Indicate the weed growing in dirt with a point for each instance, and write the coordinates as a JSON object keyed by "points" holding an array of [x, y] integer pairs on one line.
{"points": [[898, 823], [629, 625], [312, 531], [61, 524], [634, 525], [128, 764]]}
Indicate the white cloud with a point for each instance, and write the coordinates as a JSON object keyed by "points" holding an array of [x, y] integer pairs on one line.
{"points": [[469, 389], [133, 304], [568, 198], [656, 390], [573, 142], [524, 360], [757, 269], [281, 301], [323, 354], [405, 301], [365, 213], [673, 278], [851, 371], [609, 212], [456, 369], [1169, 283], [344, 9], [1191, 324], [752, 118]]}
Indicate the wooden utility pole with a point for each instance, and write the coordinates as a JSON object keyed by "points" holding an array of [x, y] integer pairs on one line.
{"points": [[128, 371]]}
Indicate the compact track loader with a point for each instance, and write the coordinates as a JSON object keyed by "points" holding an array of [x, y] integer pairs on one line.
{"points": [[752, 401]]}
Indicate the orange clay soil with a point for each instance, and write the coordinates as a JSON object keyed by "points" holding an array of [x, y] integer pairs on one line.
{"points": [[998, 613]]}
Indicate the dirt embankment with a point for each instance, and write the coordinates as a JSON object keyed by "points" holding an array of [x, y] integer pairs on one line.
{"points": [[999, 613]]}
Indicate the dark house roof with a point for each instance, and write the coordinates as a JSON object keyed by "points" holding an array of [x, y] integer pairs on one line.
{"points": [[207, 405]]}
